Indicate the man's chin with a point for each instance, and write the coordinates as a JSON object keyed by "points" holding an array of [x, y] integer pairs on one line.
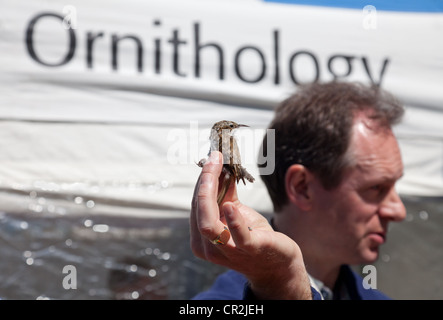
{"points": [[367, 256], [371, 255]]}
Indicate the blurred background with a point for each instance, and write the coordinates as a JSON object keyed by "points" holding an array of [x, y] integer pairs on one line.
{"points": [[106, 106]]}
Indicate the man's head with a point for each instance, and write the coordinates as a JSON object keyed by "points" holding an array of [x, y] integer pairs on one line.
{"points": [[314, 126], [337, 162]]}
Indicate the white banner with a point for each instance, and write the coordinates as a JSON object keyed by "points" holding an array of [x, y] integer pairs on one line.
{"points": [[108, 104]]}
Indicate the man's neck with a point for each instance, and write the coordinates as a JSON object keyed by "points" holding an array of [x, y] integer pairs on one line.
{"points": [[328, 275], [317, 266]]}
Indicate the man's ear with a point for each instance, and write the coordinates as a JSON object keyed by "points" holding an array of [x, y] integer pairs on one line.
{"points": [[297, 183]]}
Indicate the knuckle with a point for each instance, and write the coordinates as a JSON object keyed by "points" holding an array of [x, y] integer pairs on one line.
{"points": [[235, 225], [206, 231], [203, 192]]}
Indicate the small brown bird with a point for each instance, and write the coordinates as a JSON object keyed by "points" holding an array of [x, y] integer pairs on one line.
{"points": [[223, 140]]}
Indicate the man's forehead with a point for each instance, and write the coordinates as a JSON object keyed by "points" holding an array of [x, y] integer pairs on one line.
{"points": [[364, 121], [374, 149]]}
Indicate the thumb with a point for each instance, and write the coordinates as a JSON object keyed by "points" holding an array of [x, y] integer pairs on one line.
{"points": [[240, 232]]}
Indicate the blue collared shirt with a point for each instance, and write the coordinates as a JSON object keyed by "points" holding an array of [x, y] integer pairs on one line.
{"points": [[232, 285]]}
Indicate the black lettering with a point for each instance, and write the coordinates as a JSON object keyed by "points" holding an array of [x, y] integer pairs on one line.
{"points": [[382, 71], [116, 39], [348, 60], [157, 50], [276, 57], [237, 64], [199, 47], [176, 42], [30, 40], [291, 69], [89, 43], [157, 56]]}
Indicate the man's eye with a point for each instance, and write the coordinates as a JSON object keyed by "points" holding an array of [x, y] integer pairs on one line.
{"points": [[378, 188]]}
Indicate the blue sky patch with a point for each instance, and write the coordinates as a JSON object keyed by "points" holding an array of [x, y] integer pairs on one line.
{"points": [[383, 5]]}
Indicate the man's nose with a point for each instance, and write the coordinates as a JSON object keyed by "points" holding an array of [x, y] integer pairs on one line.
{"points": [[392, 208]]}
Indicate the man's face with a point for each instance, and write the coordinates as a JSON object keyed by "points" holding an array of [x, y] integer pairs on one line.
{"points": [[353, 218]]}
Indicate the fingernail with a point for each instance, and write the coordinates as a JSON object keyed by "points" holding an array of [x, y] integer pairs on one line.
{"points": [[213, 157]]}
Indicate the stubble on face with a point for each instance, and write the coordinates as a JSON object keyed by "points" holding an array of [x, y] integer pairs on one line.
{"points": [[353, 228]]}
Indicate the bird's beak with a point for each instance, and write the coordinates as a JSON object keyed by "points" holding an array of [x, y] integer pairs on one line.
{"points": [[243, 125]]}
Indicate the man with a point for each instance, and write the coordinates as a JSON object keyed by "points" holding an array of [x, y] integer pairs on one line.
{"points": [[333, 191]]}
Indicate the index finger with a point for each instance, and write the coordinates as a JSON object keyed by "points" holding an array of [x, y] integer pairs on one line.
{"points": [[207, 213]]}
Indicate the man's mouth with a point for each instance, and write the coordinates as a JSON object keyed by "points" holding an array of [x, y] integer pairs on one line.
{"points": [[378, 237]]}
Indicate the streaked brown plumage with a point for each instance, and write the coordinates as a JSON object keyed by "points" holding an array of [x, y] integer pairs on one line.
{"points": [[223, 140]]}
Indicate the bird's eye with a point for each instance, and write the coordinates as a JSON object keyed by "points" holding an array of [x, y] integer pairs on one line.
{"points": [[231, 125]]}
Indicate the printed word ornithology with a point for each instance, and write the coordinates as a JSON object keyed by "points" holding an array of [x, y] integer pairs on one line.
{"points": [[249, 63]]}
